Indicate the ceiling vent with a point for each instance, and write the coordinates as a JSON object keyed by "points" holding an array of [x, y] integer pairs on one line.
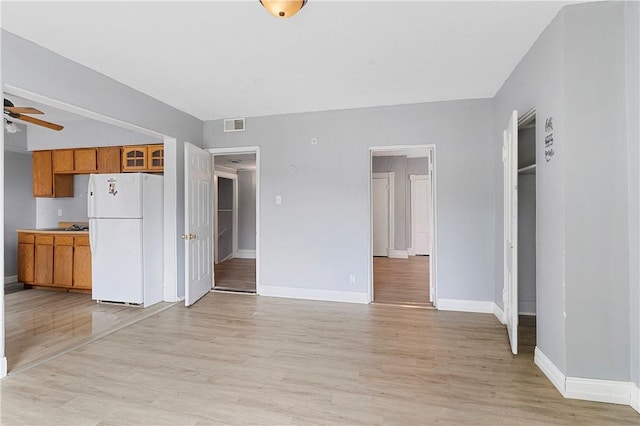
{"points": [[234, 125]]}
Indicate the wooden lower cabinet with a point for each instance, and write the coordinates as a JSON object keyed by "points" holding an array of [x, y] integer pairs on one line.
{"points": [[54, 260], [44, 260], [81, 263], [63, 261], [26, 258]]}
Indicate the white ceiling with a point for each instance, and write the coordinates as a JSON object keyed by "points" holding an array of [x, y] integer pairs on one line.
{"points": [[236, 161], [220, 59]]}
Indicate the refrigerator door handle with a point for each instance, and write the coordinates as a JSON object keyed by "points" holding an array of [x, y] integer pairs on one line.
{"points": [[90, 199], [92, 236]]}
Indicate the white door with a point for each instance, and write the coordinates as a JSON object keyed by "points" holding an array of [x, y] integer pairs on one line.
{"points": [[420, 218], [198, 228], [380, 212], [510, 291]]}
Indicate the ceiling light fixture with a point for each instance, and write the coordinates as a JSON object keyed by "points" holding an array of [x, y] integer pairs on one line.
{"points": [[283, 8], [10, 126]]}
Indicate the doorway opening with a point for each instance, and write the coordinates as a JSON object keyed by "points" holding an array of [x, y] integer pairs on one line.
{"points": [[403, 225], [527, 231], [235, 222]]}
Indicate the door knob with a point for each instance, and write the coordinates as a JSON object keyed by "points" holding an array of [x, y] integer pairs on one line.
{"points": [[192, 236], [183, 236]]}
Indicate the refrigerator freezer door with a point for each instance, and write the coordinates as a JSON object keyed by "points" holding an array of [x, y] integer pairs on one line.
{"points": [[115, 196], [116, 251]]}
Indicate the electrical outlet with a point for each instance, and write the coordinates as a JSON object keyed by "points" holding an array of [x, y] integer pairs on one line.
{"points": [[59, 212], [352, 279], [278, 199]]}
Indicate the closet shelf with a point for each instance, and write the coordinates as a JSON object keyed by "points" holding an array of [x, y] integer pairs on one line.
{"points": [[528, 170]]}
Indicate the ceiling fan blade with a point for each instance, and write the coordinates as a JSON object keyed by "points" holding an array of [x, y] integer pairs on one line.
{"points": [[39, 122], [23, 110]]}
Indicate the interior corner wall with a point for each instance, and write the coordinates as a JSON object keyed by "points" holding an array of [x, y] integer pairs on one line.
{"points": [[31, 67], [632, 37], [246, 209], [398, 165], [538, 82], [597, 231], [320, 234], [19, 205]]}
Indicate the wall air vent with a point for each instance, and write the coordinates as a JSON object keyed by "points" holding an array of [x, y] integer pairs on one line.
{"points": [[234, 125]]}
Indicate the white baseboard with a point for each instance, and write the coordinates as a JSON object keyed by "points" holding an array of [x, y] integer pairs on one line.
{"points": [[398, 254], [313, 294], [550, 370], [230, 256], [598, 390], [499, 313], [3, 366], [11, 279], [245, 254], [609, 391], [526, 307], [478, 306]]}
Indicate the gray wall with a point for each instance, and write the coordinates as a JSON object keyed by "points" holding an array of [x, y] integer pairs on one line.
{"points": [[225, 217], [632, 43], [402, 167], [527, 244], [398, 165], [31, 67], [85, 133], [597, 251], [247, 209], [320, 234], [538, 81], [577, 73], [19, 204]]}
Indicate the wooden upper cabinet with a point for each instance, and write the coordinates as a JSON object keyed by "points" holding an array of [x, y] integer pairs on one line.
{"points": [[85, 160], [42, 174], [156, 157], [63, 161], [109, 159], [46, 183], [134, 158]]}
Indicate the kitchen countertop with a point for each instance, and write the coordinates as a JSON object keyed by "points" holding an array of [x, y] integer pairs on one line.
{"points": [[52, 231]]}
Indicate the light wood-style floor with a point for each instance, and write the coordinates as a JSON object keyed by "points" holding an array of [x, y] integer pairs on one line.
{"points": [[231, 359], [40, 324], [236, 275], [401, 281]]}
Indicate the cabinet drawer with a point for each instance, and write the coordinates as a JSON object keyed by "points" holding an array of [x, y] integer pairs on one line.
{"points": [[26, 238], [82, 241], [44, 239], [64, 240]]}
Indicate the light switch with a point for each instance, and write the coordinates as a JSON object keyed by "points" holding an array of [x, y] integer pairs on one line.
{"points": [[59, 212], [278, 199]]}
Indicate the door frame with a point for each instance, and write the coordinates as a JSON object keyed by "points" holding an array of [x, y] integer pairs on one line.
{"points": [[234, 221], [433, 264], [244, 150], [391, 206]]}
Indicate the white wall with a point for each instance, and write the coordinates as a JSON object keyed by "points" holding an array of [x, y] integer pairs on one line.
{"points": [[320, 234], [73, 209]]}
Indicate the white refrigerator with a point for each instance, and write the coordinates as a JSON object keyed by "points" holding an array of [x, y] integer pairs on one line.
{"points": [[125, 234]]}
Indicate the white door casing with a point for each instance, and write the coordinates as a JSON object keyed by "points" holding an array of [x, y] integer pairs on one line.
{"points": [[420, 214], [383, 212], [510, 181], [198, 224]]}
